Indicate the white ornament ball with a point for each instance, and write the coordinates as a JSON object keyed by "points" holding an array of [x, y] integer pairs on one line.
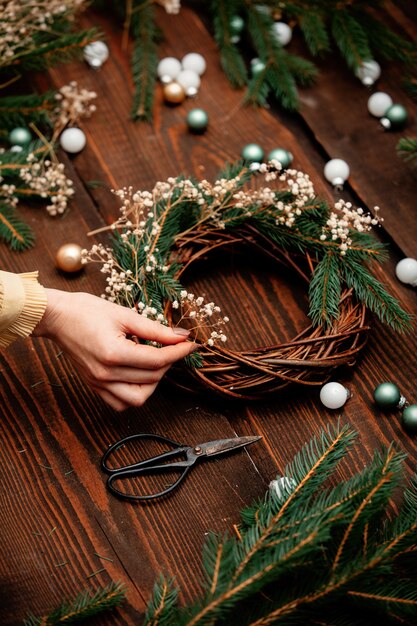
{"points": [[188, 79], [406, 271], [334, 395], [379, 103], [336, 171], [282, 32], [96, 53], [72, 140], [368, 72], [195, 62], [168, 69]]}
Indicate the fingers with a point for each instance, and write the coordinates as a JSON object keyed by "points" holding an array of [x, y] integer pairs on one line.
{"points": [[110, 399], [153, 331], [125, 394], [130, 375], [148, 357]]}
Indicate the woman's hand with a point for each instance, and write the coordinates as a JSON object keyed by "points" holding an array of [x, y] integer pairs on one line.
{"points": [[92, 332]]}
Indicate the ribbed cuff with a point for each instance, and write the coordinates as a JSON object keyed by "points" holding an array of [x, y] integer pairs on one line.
{"points": [[24, 303]]}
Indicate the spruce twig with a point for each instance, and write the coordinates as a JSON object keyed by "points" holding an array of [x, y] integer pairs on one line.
{"points": [[82, 607], [264, 575]]}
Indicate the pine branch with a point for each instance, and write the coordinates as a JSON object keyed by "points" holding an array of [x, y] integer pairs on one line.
{"points": [[407, 149], [370, 291], [325, 291], [144, 60], [230, 57], [17, 234], [314, 31], [314, 567], [350, 38], [82, 607], [59, 50], [20, 110], [162, 608]]}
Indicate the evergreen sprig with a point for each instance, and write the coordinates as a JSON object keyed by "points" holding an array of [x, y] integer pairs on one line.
{"points": [[309, 553], [407, 149], [82, 607], [144, 58], [18, 235]]}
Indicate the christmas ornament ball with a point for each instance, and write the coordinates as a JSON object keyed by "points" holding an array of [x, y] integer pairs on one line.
{"points": [[282, 156], [257, 66], [197, 120], [168, 67], [379, 103], [20, 136], [282, 32], [395, 117], [336, 171], [406, 271], [237, 24], [69, 258], [194, 62], [252, 152], [368, 72], [409, 418], [174, 93], [96, 53], [188, 78], [72, 140], [333, 395], [387, 396]]}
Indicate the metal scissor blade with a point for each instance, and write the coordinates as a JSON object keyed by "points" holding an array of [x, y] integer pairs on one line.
{"points": [[211, 448]]}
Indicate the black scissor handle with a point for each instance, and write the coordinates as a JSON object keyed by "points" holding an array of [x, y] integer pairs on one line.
{"points": [[177, 448], [136, 472]]}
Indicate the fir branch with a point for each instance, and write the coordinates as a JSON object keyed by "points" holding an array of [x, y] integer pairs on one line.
{"points": [[407, 149], [350, 38], [16, 233], [163, 605], [144, 60], [314, 31], [370, 291], [230, 58], [325, 291], [20, 110], [59, 50], [82, 607]]}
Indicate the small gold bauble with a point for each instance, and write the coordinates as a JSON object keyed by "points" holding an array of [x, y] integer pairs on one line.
{"points": [[174, 93], [69, 258]]}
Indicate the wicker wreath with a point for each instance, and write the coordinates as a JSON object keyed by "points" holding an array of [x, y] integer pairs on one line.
{"points": [[308, 359], [160, 234]]}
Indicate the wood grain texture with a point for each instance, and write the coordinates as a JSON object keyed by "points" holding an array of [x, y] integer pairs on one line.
{"points": [[56, 521]]}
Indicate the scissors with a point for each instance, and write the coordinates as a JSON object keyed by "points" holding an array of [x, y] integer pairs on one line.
{"points": [[159, 464]]}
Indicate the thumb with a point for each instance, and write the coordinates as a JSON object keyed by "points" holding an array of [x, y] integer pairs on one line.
{"points": [[150, 330]]}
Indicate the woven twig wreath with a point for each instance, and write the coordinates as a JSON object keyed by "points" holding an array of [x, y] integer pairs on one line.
{"points": [[308, 359], [160, 234]]}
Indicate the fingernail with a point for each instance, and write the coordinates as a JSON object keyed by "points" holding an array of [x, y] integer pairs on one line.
{"points": [[195, 347], [181, 331]]}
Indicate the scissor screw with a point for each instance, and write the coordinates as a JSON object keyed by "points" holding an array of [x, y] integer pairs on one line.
{"points": [[198, 450]]}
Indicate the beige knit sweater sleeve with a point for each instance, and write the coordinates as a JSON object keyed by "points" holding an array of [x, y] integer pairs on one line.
{"points": [[22, 305]]}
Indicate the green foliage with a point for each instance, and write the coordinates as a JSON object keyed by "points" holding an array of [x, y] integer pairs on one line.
{"points": [[144, 59], [407, 149], [21, 110], [312, 553], [82, 607], [13, 231], [230, 58]]}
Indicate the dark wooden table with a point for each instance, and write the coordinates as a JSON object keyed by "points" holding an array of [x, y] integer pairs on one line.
{"points": [[56, 514]]}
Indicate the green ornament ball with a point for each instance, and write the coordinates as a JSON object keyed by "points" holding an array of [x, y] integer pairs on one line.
{"points": [[20, 136], [282, 156], [197, 120], [237, 24], [395, 117], [252, 152], [387, 396], [409, 418], [257, 66]]}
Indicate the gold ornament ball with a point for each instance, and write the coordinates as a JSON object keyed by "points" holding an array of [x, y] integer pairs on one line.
{"points": [[174, 93], [69, 258]]}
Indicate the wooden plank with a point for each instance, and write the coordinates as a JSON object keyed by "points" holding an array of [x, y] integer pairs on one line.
{"points": [[68, 429]]}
